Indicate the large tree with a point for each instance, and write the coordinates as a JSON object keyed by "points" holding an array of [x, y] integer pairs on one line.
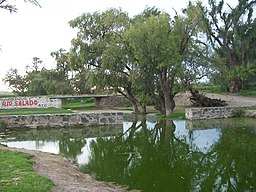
{"points": [[100, 49], [231, 32], [167, 53], [149, 57]]}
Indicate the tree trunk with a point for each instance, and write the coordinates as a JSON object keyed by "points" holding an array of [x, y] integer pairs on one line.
{"points": [[143, 109], [135, 107], [169, 103], [159, 104], [168, 100], [128, 94], [234, 86]]}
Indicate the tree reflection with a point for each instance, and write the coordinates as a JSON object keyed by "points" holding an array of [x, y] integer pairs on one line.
{"points": [[230, 165], [156, 159], [71, 147], [147, 159]]}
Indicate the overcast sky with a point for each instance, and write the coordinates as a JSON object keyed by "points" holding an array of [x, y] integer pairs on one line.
{"points": [[36, 32]]}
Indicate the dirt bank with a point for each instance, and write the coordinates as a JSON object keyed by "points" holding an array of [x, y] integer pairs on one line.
{"points": [[64, 175]]}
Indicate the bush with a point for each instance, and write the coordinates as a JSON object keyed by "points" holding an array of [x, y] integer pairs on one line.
{"points": [[239, 112]]}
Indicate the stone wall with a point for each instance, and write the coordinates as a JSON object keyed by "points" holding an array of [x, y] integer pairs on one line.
{"points": [[214, 112], [110, 102], [62, 120]]}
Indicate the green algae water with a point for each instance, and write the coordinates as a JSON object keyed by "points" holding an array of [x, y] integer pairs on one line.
{"points": [[156, 155]]}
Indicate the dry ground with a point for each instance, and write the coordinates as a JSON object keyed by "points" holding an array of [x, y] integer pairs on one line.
{"points": [[232, 100]]}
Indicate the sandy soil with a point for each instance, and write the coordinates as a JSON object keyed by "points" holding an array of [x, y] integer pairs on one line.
{"points": [[67, 178]]}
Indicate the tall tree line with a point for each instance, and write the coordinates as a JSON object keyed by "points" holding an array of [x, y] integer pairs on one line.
{"points": [[152, 56]]}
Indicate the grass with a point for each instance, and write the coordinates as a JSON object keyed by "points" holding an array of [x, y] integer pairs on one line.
{"points": [[33, 111], [7, 95], [248, 92], [67, 108], [80, 106], [205, 88], [17, 174], [253, 107]]}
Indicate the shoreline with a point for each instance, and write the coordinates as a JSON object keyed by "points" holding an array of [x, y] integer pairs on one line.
{"points": [[65, 176]]}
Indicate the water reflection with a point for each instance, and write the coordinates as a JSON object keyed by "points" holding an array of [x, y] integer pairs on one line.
{"points": [[159, 156]]}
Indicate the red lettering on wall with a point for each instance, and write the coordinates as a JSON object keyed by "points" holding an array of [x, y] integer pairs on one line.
{"points": [[6, 103], [20, 103], [3, 104]]}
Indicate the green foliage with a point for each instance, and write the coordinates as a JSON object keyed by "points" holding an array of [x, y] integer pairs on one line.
{"points": [[208, 88], [2, 123], [250, 92], [40, 81], [16, 82], [231, 34], [239, 112], [147, 58], [17, 174], [253, 107]]}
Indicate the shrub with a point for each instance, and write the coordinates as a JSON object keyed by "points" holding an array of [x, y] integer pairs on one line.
{"points": [[239, 112]]}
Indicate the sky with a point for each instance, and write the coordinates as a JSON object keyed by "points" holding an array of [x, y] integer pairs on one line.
{"points": [[36, 32]]}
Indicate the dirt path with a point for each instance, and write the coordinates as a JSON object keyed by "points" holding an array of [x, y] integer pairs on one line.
{"points": [[65, 176], [232, 100]]}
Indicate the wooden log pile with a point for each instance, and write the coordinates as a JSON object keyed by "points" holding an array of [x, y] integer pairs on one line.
{"points": [[200, 100]]}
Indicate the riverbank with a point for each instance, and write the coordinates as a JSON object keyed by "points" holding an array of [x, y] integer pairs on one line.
{"points": [[65, 176]]}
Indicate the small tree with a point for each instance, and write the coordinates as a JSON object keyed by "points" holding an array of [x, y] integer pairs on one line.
{"points": [[16, 82]]}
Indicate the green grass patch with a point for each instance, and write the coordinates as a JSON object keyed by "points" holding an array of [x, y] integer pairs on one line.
{"points": [[80, 106], [252, 107], [248, 93], [178, 113], [205, 88], [7, 95], [174, 116], [17, 174], [33, 111]]}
